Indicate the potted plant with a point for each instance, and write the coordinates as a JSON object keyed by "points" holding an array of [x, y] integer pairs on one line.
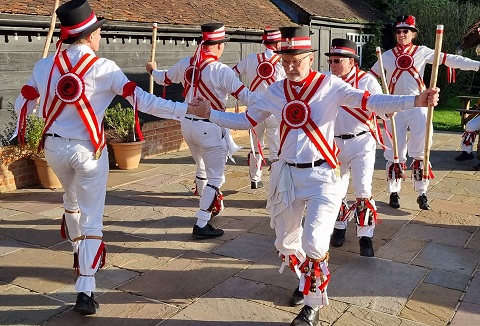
{"points": [[33, 135], [127, 148]]}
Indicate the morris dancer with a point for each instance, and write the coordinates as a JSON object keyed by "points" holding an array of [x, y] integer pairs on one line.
{"points": [[75, 87], [356, 135], [469, 136], [262, 70], [303, 180], [209, 144], [405, 65]]}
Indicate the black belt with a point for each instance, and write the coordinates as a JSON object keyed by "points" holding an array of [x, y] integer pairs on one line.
{"points": [[307, 165], [350, 136], [195, 119], [53, 135]]}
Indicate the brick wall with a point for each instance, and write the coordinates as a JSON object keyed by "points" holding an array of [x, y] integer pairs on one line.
{"points": [[17, 174]]}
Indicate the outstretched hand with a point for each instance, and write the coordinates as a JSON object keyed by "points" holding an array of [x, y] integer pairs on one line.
{"points": [[199, 107], [151, 65], [428, 97]]}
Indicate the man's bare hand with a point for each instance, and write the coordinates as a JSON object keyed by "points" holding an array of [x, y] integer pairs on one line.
{"points": [[199, 107], [151, 65], [427, 97]]}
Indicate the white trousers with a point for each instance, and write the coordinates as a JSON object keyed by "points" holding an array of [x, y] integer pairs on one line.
{"points": [[471, 126], [268, 128], [317, 196], [357, 157], [208, 147], [413, 143], [84, 180]]}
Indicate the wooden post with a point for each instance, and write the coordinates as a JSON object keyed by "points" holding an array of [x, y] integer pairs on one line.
{"points": [[392, 119], [152, 55], [50, 30], [433, 83]]}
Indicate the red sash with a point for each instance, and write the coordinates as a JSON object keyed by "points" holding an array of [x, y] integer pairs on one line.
{"points": [[265, 70], [70, 89], [296, 114], [404, 62], [361, 115]]}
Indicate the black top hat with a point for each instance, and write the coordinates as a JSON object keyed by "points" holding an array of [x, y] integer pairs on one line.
{"points": [[77, 20], [343, 48], [407, 22], [271, 35], [214, 33], [295, 40]]}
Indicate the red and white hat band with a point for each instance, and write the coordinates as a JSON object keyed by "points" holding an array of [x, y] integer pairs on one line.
{"points": [[218, 34], [342, 50], [275, 36], [79, 28], [296, 43], [404, 25]]}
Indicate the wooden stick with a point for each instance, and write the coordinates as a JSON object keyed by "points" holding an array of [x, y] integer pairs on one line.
{"points": [[392, 119], [50, 30], [433, 83], [152, 55]]}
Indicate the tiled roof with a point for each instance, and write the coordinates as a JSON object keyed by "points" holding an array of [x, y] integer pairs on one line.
{"points": [[248, 14], [348, 10]]}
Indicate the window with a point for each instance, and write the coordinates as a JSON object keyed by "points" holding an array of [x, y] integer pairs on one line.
{"points": [[360, 39]]}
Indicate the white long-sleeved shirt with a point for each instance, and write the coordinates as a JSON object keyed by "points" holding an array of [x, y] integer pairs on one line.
{"points": [[249, 65], [407, 83], [346, 123], [102, 82], [325, 103], [219, 78]]}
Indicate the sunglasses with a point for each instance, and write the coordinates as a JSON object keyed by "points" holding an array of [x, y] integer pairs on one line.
{"points": [[400, 31], [337, 61]]}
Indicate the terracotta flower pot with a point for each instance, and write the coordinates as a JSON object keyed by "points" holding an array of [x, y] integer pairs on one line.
{"points": [[47, 177], [127, 155]]}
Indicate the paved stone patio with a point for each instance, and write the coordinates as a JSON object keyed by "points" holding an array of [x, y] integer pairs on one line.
{"points": [[426, 270]]}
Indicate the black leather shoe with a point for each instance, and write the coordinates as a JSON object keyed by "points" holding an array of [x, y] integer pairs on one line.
{"points": [[307, 317], [297, 298], [422, 202], [394, 200], [338, 237], [464, 157], [256, 184], [86, 305], [476, 167], [366, 247], [206, 232]]}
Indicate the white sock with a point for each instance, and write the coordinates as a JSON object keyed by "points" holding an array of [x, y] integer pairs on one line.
{"points": [[89, 293], [202, 223]]}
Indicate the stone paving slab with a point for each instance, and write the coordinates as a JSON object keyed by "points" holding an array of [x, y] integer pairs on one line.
{"points": [[37, 270], [467, 314], [448, 258], [359, 316], [473, 290], [448, 280], [452, 237], [181, 280], [120, 308], [251, 247], [431, 304], [394, 282], [35, 308]]}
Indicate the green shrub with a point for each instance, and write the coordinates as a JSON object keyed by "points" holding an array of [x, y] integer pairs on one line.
{"points": [[122, 121], [35, 126]]}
